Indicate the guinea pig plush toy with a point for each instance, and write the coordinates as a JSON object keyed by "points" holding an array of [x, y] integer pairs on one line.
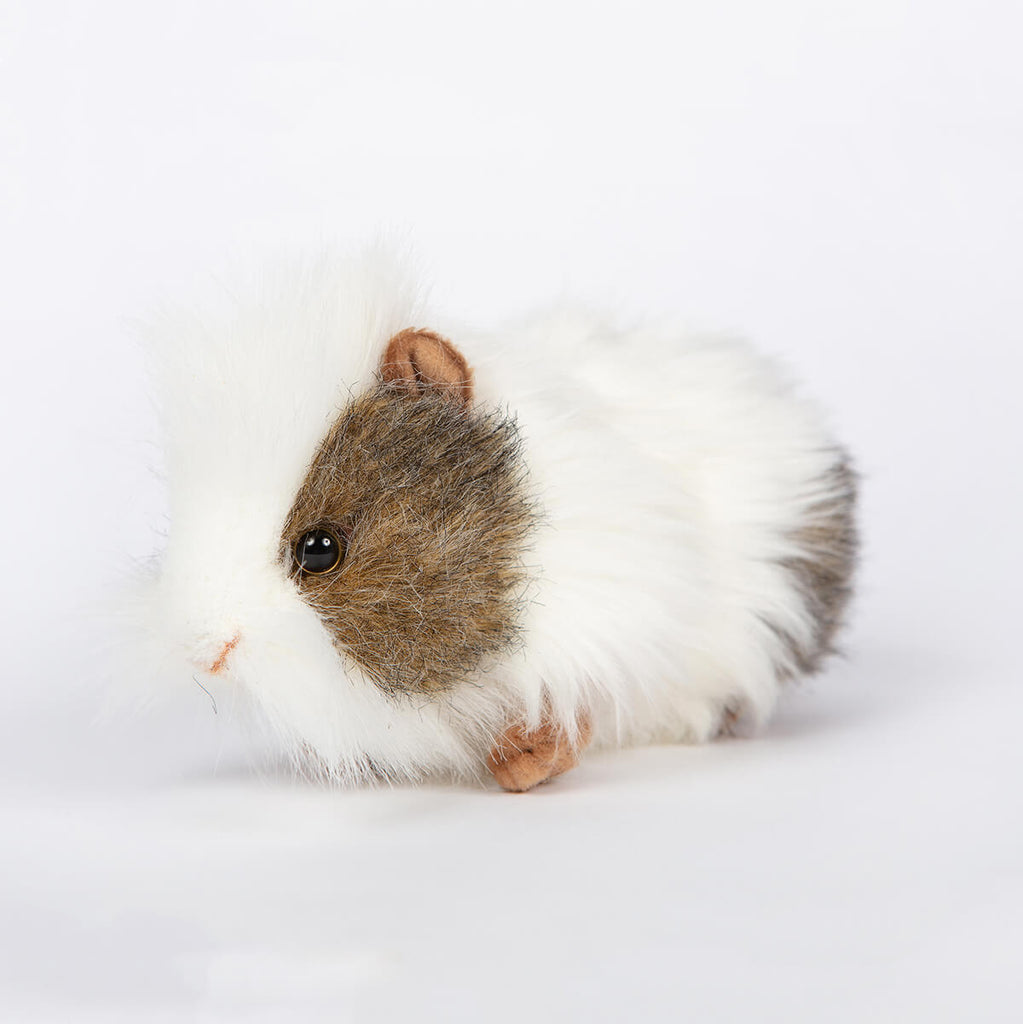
{"points": [[421, 550]]}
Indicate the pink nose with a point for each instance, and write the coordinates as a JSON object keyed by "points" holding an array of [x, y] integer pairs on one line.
{"points": [[225, 653]]}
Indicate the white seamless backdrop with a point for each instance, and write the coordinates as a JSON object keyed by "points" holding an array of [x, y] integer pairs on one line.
{"points": [[838, 181]]}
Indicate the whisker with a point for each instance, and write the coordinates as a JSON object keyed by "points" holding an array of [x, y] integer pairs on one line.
{"points": [[207, 692]]}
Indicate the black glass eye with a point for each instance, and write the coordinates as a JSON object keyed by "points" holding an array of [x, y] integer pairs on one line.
{"points": [[318, 551]]}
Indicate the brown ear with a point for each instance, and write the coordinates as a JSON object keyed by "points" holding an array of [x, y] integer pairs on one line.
{"points": [[421, 361]]}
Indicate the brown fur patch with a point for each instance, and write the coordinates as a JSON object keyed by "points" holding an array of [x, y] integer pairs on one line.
{"points": [[430, 497], [828, 545], [416, 359]]}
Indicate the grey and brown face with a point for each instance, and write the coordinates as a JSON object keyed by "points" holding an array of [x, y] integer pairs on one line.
{"points": [[407, 534]]}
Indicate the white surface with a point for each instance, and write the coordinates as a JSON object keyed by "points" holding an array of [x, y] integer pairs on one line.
{"points": [[840, 182]]}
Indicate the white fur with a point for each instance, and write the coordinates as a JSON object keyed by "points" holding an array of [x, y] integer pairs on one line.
{"points": [[671, 471]]}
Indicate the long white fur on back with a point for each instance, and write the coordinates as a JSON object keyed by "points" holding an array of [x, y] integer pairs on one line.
{"points": [[671, 473]]}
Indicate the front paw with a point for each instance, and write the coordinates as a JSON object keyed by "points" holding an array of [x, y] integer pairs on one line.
{"points": [[522, 759]]}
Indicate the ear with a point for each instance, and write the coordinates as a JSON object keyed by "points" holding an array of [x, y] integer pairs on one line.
{"points": [[420, 361]]}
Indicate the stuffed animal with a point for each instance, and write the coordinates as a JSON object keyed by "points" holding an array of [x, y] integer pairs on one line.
{"points": [[420, 550]]}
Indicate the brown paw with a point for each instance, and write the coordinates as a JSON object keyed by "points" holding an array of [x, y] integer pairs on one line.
{"points": [[522, 759], [732, 722]]}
